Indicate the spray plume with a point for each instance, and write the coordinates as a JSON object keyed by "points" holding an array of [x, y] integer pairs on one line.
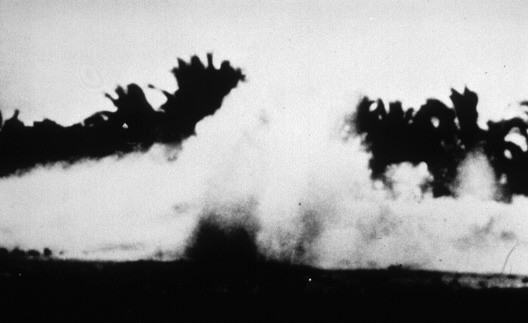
{"points": [[278, 185]]}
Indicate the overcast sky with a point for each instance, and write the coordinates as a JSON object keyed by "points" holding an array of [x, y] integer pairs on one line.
{"points": [[57, 58]]}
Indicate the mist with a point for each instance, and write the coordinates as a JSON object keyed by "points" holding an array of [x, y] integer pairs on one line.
{"points": [[273, 169], [282, 171]]}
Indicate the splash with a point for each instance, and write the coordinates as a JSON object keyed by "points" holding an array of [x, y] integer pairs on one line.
{"points": [[476, 178], [302, 193]]}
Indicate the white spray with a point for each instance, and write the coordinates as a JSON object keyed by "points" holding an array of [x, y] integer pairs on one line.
{"points": [[303, 184]]}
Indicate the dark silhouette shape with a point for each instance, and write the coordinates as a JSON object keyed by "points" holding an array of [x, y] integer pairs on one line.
{"points": [[47, 252], [135, 125], [4, 253], [508, 159], [18, 253], [32, 253], [224, 244], [441, 137]]}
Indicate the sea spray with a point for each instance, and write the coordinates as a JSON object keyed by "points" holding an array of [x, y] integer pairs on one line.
{"points": [[308, 192]]}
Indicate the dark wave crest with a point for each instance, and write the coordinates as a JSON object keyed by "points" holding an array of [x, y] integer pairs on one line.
{"points": [[135, 125], [441, 137]]}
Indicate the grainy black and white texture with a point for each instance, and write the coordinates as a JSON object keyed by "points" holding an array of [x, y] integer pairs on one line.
{"points": [[154, 152]]}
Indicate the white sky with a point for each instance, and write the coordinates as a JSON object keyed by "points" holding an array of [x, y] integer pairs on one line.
{"points": [[57, 58]]}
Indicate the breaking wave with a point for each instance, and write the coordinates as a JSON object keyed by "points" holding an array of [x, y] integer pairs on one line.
{"points": [[267, 183]]}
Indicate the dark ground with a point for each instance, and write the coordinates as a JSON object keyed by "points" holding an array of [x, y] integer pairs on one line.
{"points": [[45, 290]]}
